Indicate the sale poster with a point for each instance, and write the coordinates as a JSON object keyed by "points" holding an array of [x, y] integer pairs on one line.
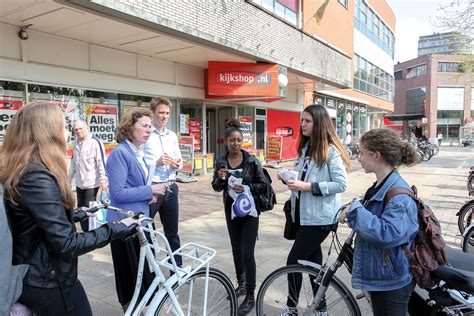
{"points": [[102, 121], [186, 146], [274, 148], [8, 109], [246, 126], [195, 131]]}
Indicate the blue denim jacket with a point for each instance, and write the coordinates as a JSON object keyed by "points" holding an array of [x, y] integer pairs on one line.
{"points": [[380, 263], [332, 181]]}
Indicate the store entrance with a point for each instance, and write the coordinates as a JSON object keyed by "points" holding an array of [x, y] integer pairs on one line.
{"points": [[216, 117]]}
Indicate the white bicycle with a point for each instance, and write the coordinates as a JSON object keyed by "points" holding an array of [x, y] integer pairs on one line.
{"points": [[193, 289]]}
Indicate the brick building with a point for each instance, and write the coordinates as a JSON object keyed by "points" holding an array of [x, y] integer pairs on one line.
{"points": [[435, 90], [98, 58]]}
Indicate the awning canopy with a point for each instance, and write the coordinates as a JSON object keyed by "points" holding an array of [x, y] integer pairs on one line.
{"points": [[404, 117]]}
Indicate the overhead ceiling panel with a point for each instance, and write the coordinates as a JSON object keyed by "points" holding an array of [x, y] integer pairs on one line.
{"points": [[99, 31], [17, 11], [59, 20]]}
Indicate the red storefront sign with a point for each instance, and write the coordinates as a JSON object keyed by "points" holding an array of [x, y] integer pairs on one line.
{"points": [[287, 125], [242, 81]]}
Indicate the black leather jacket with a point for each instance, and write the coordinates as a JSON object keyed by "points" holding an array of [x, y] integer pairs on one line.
{"points": [[44, 234], [253, 176]]}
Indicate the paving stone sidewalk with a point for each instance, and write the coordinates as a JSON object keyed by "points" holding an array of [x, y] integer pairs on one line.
{"points": [[441, 183]]}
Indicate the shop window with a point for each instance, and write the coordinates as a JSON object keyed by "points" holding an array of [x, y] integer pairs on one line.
{"points": [[340, 120], [11, 101], [190, 118], [356, 124], [261, 112], [98, 108]]}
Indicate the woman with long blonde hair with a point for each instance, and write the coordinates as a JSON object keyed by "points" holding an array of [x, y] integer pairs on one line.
{"points": [[39, 205]]}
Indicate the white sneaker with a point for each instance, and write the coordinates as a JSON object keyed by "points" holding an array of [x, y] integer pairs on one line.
{"points": [[289, 311], [323, 312]]}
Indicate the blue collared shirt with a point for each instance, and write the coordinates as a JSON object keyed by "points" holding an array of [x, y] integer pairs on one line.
{"points": [[159, 144]]}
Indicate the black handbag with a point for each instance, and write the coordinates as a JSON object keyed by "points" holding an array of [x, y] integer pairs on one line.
{"points": [[290, 227]]}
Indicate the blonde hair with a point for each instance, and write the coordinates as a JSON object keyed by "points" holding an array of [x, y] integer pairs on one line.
{"points": [[36, 134]]}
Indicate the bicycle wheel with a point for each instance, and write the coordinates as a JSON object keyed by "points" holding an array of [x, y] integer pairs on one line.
{"points": [[273, 293], [468, 241], [465, 216], [221, 299]]}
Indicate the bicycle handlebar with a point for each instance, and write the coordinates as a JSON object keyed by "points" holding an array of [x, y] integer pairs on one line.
{"points": [[106, 204]]}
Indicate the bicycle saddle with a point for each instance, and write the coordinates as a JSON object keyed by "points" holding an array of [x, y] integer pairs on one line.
{"points": [[459, 274], [459, 260]]}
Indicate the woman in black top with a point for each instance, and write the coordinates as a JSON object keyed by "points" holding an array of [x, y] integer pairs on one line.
{"points": [[39, 203], [242, 230]]}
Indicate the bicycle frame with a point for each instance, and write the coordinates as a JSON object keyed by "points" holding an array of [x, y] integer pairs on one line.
{"points": [[327, 272], [199, 256]]}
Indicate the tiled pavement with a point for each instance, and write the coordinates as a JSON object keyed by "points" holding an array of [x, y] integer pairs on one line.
{"points": [[441, 183]]}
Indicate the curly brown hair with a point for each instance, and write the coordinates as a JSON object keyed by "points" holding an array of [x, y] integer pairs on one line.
{"points": [[124, 129], [394, 151]]}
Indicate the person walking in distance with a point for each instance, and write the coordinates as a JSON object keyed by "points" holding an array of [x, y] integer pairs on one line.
{"points": [[162, 151], [87, 167]]}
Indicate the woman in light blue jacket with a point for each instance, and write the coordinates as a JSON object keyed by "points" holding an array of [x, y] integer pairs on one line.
{"points": [[321, 164], [384, 227]]}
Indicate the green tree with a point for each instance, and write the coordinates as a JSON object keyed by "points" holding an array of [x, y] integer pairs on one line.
{"points": [[458, 16]]}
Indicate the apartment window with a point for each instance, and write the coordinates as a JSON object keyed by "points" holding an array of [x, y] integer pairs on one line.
{"points": [[416, 71], [371, 79], [368, 23], [344, 2], [398, 75], [286, 9], [416, 100], [449, 67]]}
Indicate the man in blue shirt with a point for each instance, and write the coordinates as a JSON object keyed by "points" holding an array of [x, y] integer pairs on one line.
{"points": [[162, 150]]}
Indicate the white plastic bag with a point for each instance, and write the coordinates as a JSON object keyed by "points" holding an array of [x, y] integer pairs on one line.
{"points": [[100, 217], [244, 203]]}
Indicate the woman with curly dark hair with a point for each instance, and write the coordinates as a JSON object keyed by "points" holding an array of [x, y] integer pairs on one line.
{"points": [[383, 228]]}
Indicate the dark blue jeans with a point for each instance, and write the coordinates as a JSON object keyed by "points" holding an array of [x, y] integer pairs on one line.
{"points": [[168, 208], [392, 303], [50, 302]]}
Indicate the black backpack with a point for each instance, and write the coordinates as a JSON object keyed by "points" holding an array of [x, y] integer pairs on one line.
{"points": [[266, 201]]}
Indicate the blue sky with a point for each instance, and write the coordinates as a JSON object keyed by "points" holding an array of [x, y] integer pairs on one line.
{"points": [[414, 19]]}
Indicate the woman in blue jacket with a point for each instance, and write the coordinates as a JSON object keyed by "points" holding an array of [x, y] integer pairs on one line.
{"points": [[321, 164], [380, 265], [129, 190]]}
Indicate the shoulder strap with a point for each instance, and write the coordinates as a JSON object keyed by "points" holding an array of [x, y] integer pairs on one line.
{"points": [[396, 191], [101, 146]]}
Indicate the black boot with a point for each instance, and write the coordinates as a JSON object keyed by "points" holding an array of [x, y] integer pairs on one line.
{"points": [[247, 305], [240, 290]]}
